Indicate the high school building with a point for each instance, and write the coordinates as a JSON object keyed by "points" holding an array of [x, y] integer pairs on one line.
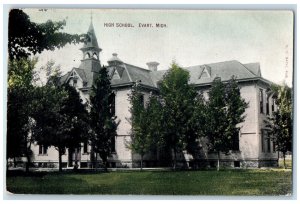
{"points": [[253, 149]]}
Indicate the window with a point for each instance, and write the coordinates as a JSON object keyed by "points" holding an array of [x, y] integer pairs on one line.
{"points": [[85, 147], [141, 99], [261, 100], [113, 104], [42, 150], [265, 141], [204, 74], [237, 164], [74, 82], [273, 105], [267, 105], [236, 142], [268, 143], [87, 56], [274, 146], [116, 75], [212, 164], [113, 144], [95, 56], [262, 140], [83, 164]]}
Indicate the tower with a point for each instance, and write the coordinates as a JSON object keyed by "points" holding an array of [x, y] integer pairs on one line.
{"points": [[90, 62]]}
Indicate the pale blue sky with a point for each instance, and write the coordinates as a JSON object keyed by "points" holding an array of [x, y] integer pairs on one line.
{"points": [[191, 37]]}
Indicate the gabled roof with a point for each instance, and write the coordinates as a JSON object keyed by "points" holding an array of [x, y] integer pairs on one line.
{"points": [[224, 70], [81, 74], [130, 74], [157, 76], [254, 68], [139, 74], [78, 71]]}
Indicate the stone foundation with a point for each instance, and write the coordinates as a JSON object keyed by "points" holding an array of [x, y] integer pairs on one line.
{"points": [[182, 164]]}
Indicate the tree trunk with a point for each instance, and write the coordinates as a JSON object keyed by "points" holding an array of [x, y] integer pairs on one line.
{"points": [[28, 150], [76, 159], [174, 159], [59, 159], [92, 157], [15, 162], [278, 159], [104, 161], [142, 156], [218, 164], [95, 163], [284, 164], [27, 162]]}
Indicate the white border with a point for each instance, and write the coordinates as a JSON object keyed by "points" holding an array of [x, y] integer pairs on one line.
{"points": [[186, 4]]}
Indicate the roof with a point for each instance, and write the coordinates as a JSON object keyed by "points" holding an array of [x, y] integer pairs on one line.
{"points": [[81, 74], [224, 70], [92, 39], [254, 68], [129, 74], [199, 74], [90, 67]]}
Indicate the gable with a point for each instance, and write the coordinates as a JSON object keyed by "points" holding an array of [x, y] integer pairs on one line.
{"points": [[76, 74], [115, 74], [206, 72]]}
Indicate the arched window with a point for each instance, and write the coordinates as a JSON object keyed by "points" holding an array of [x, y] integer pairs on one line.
{"points": [[87, 56], [95, 56]]}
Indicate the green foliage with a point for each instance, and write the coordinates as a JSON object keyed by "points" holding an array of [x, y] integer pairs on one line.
{"points": [[60, 118], [145, 121], [19, 107], [225, 112], [236, 107], [196, 126], [26, 37], [178, 98], [280, 122], [102, 118], [217, 118]]}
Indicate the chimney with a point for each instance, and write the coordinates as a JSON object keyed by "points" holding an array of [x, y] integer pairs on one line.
{"points": [[152, 66]]}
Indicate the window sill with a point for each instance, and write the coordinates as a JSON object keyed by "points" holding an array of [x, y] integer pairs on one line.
{"points": [[42, 154]]}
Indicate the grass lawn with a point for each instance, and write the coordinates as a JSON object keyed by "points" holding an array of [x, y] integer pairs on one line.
{"points": [[226, 182], [288, 163]]}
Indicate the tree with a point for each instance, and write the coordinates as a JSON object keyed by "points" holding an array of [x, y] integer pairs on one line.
{"points": [[280, 122], [196, 127], [225, 112], [26, 38], [78, 127], [144, 121], [59, 118], [217, 122], [178, 98], [19, 107], [102, 116], [236, 107]]}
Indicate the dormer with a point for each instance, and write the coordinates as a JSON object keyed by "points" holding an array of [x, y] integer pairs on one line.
{"points": [[206, 72]]}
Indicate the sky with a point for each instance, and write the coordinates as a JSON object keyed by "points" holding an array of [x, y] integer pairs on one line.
{"points": [[191, 37]]}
